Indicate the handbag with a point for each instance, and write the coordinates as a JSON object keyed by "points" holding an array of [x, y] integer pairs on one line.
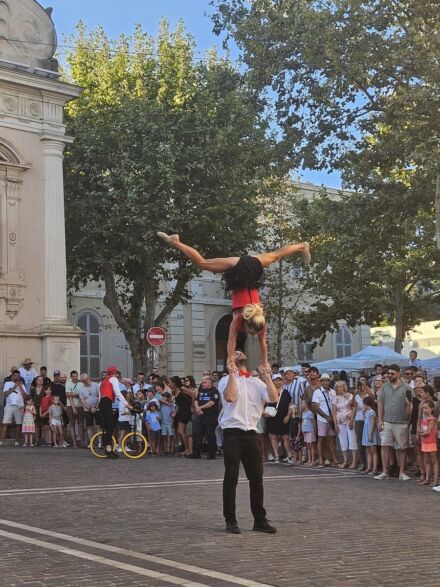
{"points": [[270, 411]]}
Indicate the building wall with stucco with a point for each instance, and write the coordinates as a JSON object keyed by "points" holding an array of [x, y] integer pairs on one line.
{"points": [[33, 311]]}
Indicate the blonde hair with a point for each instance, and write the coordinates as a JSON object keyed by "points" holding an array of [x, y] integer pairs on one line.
{"points": [[295, 411], [254, 316], [339, 384]]}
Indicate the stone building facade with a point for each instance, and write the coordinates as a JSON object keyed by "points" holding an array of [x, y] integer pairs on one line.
{"points": [[33, 309]]}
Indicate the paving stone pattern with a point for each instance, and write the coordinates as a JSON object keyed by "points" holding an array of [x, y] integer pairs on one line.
{"points": [[333, 530]]}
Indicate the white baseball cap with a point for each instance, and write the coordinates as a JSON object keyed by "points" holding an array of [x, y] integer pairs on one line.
{"points": [[276, 376]]}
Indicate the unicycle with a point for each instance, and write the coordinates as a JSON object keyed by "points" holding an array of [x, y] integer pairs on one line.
{"points": [[134, 445], [97, 445]]}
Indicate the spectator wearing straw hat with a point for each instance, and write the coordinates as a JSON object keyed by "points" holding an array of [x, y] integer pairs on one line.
{"points": [[28, 373]]}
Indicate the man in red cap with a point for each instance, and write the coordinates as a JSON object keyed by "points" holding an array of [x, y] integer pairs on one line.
{"points": [[109, 391]]}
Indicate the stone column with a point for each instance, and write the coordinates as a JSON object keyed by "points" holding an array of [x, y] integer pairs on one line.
{"points": [[54, 232]]}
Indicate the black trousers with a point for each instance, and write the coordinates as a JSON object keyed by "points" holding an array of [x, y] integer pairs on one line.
{"points": [[106, 413], [205, 426], [242, 446]]}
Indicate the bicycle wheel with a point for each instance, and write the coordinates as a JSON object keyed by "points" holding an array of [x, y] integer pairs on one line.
{"points": [[97, 445], [134, 445]]}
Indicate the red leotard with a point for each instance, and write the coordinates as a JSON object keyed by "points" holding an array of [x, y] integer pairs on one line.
{"points": [[243, 297]]}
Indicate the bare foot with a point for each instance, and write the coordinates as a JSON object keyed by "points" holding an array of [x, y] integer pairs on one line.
{"points": [[168, 238], [306, 256]]}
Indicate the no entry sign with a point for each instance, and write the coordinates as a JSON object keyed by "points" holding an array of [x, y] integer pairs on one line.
{"points": [[156, 336]]}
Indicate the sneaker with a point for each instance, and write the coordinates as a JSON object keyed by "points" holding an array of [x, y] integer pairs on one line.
{"points": [[118, 449], [16, 443], [232, 528], [436, 488], [264, 526], [287, 461], [270, 457], [404, 477], [65, 444], [382, 476]]}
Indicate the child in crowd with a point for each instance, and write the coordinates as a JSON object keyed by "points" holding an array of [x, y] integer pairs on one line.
{"points": [[45, 403], [427, 431], [55, 413], [152, 419], [296, 438], [370, 435], [309, 431], [28, 427], [167, 413], [124, 419]]}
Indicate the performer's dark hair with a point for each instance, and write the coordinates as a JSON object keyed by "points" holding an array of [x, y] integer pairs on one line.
{"points": [[246, 274]]}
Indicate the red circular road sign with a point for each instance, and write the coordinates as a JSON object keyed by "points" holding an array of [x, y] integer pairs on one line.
{"points": [[156, 336]]}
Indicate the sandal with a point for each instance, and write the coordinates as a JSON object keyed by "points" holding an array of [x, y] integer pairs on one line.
{"points": [[321, 466], [343, 466]]}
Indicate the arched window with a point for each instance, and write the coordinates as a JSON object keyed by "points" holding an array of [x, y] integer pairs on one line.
{"points": [[305, 352], [343, 342], [90, 345]]}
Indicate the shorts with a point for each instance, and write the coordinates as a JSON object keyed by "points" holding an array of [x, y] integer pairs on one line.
{"points": [[167, 430], [56, 422], [395, 435], [309, 437], [324, 429], [91, 419], [154, 435], [73, 417], [12, 413], [124, 425]]}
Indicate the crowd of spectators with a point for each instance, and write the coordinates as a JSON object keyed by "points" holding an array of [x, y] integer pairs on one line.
{"points": [[385, 423]]}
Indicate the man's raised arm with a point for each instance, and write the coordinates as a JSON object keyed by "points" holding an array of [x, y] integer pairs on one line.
{"points": [[230, 393], [271, 389]]}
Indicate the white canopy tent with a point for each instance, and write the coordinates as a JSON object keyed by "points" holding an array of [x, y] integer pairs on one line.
{"points": [[432, 365], [364, 359]]}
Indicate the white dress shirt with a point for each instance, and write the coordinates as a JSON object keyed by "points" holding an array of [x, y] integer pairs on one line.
{"points": [[248, 408]]}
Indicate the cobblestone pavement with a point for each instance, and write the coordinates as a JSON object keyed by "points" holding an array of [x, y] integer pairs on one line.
{"points": [[70, 520]]}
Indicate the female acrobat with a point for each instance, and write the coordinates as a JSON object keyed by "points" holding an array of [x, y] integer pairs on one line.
{"points": [[243, 277]]}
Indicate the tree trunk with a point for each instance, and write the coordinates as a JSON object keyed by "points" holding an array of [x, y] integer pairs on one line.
{"points": [[280, 311], [437, 209], [400, 328]]}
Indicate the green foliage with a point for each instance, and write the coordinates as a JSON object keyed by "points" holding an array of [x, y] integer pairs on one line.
{"points": [[375, 259], [162, 142], [283, 291]]}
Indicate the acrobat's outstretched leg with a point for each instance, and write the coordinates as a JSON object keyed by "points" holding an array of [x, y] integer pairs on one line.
{"points": [[267, 259], [219, 265]]}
